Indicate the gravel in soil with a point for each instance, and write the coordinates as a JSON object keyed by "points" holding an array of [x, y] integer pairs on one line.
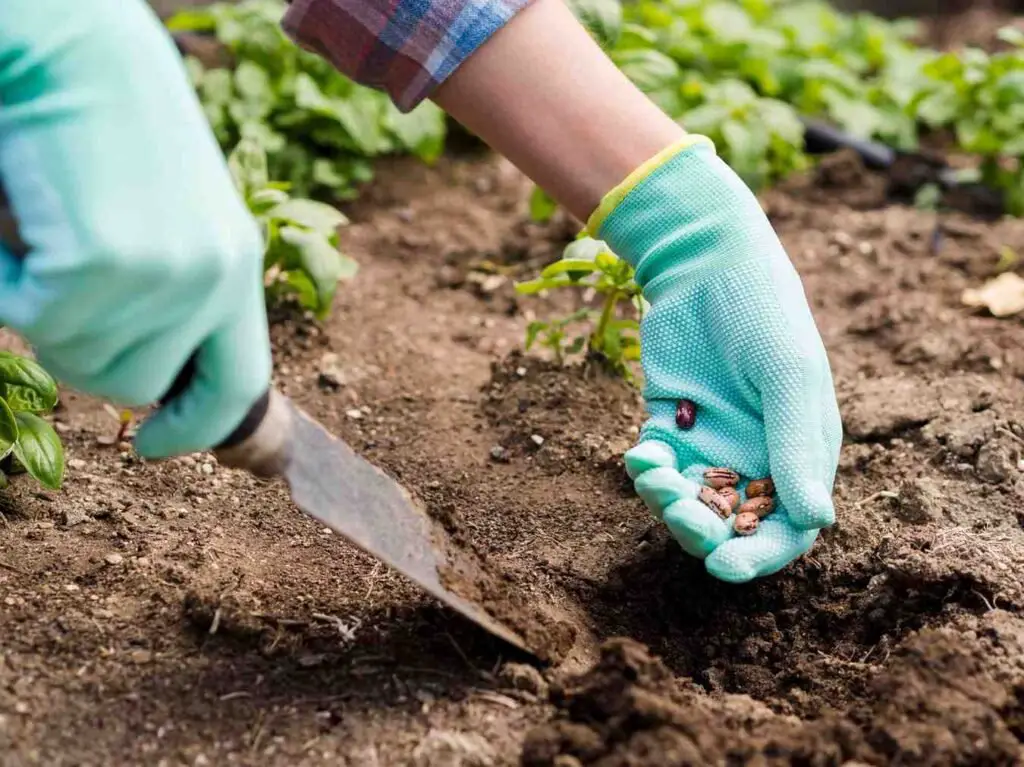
{"points": [[184, 613]]}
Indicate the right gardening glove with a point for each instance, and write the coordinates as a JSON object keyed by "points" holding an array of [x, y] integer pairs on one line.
{"points": [[736, 375]]}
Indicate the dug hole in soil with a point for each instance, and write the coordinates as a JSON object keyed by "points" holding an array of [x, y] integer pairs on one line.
{"points": [[180, 613]]}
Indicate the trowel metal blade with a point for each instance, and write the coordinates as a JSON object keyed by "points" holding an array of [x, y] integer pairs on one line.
{"points": [[348, 494]]}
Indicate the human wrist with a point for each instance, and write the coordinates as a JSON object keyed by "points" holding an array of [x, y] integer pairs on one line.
{"points": [[684, 210]]}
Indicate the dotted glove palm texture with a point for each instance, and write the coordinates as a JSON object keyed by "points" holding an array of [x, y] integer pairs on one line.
{"points": [[140, 249], [730, 329]]}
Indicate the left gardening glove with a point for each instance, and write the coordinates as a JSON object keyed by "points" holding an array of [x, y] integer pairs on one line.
{"points": [[735, 372], [141, 251]]}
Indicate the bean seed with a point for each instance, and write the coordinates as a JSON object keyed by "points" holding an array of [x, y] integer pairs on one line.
{"points": [[746, 523], [759, 506], [730, 495], [721, 477], [686, 414], [715, 502], [760, 487]]}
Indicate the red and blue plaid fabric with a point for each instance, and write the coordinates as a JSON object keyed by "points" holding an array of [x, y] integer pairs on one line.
{"points": [[404, 47]]}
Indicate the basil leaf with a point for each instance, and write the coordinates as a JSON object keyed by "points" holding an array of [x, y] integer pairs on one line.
{"points": [[28, 385], [39, 450]]}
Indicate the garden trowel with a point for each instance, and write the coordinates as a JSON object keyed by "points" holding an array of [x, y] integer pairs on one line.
{"points": [[348, 494], [333, 484]]}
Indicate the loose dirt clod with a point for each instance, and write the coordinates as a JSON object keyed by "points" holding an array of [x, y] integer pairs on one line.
{"points": [[521, 676], [884, 648]]}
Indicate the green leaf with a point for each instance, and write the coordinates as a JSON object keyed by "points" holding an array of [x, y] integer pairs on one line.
{"points": [[39, 450], [584, 249], [317, 216], [252, 83], [28, 385], [577, 269], [650, 70], [531, 287], [577, 345], [532, 330], [216, 87], [263, 200], [542, 206], [8, 429], [192, 20], [248, 166], [421, 131], [1011, 35], [312, 254], [602, 18]]}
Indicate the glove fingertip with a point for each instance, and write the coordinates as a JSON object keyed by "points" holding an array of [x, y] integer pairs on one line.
{"points": [[156, 438], [809, 505], [724, 568], [662, 486], [649, 455]]}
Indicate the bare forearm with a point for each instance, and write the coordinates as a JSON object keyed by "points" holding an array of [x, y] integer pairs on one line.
{"points": [[542, 93]]}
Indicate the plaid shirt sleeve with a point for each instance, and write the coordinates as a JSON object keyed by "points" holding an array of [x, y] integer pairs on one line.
{"points": [[404, 47]]}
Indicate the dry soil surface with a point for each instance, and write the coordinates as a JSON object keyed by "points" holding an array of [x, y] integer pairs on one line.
{"points": [[181, 613]]}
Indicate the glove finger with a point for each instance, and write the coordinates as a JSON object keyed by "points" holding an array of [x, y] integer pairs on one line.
{"points": [[650, 454], [775, 544], [232, 372], [662, 486], [19, 292], [697, 528], [832, 428], [797, 450]]}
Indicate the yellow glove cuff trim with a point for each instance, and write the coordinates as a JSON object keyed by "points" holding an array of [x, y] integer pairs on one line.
{"points": [[611, 200]]}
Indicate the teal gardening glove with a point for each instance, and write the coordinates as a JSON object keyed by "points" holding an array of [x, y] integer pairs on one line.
{"points": [[729, 329], [140, 249]]}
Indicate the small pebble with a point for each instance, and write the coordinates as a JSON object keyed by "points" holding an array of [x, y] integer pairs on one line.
{"points": [[76, 464], [73, 516], [354, 413], [498, 453], [113, 559], [521, 372], [537, 439]]}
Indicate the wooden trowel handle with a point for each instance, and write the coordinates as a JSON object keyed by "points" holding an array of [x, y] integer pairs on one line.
{"points": [[262, 442]]}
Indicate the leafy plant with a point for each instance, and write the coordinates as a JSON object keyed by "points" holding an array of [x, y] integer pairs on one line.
{"points": [[743, 72], [301, 236], [613, 338], [980, 98], [27, 441], [318, 128]]}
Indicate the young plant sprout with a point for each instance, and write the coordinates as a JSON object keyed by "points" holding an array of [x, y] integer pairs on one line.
{"points": [[613, 338]]}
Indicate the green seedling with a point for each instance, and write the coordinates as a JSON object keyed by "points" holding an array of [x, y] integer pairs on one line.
{"points": [[614, 339], [301, 259], [28, 443], [741, 72], [319, 129]]}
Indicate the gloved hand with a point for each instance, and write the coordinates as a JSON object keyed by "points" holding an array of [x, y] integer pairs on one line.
{"points": [[729, 328], [141, 251]]}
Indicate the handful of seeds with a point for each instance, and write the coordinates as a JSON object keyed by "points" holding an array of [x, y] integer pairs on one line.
{"points": [[721, 496]]}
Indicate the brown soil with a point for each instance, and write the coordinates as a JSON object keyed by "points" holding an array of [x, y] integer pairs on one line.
{"points": [[183, 613]]}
